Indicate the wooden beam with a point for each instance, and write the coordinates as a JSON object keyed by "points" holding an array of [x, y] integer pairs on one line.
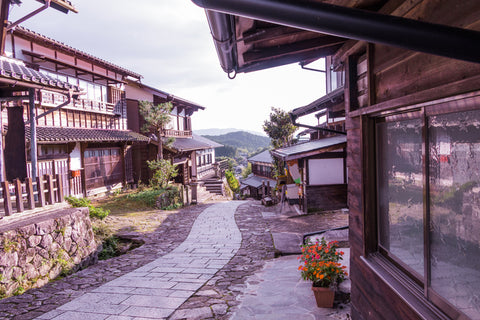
{"points": [[295, 48]]}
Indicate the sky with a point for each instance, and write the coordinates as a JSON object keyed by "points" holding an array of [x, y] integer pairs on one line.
{"points": [[168, 42]]}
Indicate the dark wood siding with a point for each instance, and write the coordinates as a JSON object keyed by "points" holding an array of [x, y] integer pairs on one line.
{"points": [[397, 78], [328, 197], [103, 167]]}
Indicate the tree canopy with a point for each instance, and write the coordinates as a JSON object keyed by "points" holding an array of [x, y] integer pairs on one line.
{"points": [[279, 128], [157, 117]]}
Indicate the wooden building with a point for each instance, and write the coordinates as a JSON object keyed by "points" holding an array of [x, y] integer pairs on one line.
{"points": [[80, 135], [321, 167], [412, 104], [194, 155], [262, 175]]}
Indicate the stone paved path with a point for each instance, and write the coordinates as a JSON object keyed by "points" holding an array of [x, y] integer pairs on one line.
{"points": [[156, 289]]}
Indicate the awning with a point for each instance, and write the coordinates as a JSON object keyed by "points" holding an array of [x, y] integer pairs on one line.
{"points": [[61, 135], [303, 150], [327, 101]]}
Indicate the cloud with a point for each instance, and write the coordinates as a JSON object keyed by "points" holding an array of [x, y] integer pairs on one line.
{"points": [[169, 43]]}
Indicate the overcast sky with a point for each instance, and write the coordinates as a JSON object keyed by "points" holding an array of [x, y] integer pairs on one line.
{"points": [[169, 43]]}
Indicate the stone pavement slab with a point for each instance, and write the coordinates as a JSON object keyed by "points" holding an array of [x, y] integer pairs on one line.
{"points": [[278, 292], [156, 289]]}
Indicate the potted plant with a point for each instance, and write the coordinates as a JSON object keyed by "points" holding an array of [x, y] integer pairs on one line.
{"points": [[320, 264]]}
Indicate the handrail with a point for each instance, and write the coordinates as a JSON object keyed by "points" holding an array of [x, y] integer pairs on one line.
{"points": [[305, 235]]}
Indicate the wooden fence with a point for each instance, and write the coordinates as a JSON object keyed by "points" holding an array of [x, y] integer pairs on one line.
{"points": [[18, 196]]}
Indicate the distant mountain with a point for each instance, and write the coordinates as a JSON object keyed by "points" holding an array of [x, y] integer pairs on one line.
{"points": [[218, 132], [233, 141]]}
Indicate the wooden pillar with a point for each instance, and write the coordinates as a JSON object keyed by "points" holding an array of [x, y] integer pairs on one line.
{"points": [[50, 191], [60, 198], [30, 197], [33, 133], [7, 202], [41, 192], [18, 195]]}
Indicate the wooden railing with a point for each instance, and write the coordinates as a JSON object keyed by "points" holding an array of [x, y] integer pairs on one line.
{"points": [[178, 133], [18, 196], [51, 98]]}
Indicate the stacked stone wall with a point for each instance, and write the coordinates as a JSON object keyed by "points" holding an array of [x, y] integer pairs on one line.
{"points": [[42, 247]]}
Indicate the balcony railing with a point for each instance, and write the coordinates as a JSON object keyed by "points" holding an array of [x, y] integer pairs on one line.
{"points": [[53, 99], [178, 133]]}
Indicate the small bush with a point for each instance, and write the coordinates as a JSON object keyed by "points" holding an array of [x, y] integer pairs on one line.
{"points": [[110, 248], [232, 181], [147, 196], [98, 213]]}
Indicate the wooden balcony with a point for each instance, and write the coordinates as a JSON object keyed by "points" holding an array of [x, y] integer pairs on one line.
{"points": [[48, 98], [178, 133]]}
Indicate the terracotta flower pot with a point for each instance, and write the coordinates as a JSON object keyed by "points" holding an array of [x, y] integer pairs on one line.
{"points": [[324, 297]]}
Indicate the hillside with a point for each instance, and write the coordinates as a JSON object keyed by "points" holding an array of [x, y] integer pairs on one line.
{"points": [[238, 140], [218, 132]]}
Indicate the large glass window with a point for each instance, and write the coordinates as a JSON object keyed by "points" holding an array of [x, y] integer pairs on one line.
{"points": [[400, 187], [428, 180]]}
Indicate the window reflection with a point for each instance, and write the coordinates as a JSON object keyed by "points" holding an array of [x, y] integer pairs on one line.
{"points": [[455, 209], [400, 185]]}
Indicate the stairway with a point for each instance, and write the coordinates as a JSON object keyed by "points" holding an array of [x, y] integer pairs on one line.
{"points": [[214, 186]]}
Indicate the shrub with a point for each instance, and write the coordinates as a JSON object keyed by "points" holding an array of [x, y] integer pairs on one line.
{"points": [[163, 171], [165, 199], [232, 181], [98, 213]]}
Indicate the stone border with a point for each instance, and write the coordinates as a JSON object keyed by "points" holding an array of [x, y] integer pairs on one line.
{"points": [[217, 299], [35, 302]]}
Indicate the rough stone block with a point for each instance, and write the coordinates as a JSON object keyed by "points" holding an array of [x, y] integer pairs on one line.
{"points": [[34, 241], [45, 227], [30, 271], [26, 231], [9, 259], [46, 242]]}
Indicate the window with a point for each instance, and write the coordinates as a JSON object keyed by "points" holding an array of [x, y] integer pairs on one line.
{"points": [[428, 202]]}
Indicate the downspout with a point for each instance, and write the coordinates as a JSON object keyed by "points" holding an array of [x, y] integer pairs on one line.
{"points": [[357, 24], [221, 27]]}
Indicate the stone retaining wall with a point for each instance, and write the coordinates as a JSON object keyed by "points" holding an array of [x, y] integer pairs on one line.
{"points": [[39, 248]]}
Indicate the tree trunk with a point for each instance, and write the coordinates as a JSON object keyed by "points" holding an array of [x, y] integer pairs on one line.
{"points": [[160, 146]]}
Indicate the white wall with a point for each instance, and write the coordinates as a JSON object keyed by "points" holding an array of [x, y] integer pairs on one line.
{"points": [[325, 171]]}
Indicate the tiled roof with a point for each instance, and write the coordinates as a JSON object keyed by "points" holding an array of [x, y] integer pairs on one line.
{"points": [[57, 134], [62, 46], [303, 149], [256, 181], [212, 144], [189, 144], [16, 70], [264, 157]]}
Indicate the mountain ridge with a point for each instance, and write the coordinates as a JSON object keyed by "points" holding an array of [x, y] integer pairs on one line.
{"points": [[222, 131]]}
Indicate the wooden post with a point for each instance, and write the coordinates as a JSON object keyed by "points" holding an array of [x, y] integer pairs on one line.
{"points": [[41, 192], [263, 189], [59, 188], [18, 195], [7, 202], [33, 133], [50, 191], [30, 197], [268, 189]]}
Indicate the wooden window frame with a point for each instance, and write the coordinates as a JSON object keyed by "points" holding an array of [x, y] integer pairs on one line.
{"points": [[414, 292]]}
